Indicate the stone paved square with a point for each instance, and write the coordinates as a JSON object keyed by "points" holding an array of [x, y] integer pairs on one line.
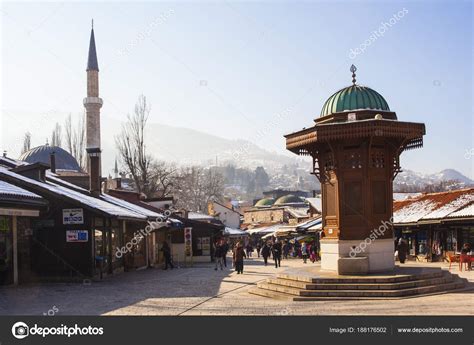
{"points": [[201, 290]]}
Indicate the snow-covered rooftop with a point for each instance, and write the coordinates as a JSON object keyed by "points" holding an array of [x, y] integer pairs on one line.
{"points": [[197, 215], [9, 189], [434, 206], [315, 203], [78, 197]]}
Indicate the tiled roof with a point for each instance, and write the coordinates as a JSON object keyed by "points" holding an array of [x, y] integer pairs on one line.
{"points": [[434, 206]]}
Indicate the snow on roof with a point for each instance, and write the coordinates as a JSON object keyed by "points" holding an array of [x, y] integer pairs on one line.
{"points": [[467, 211], [75, 196], [9, 189], [432, 206], [315, 203], [197, 215], [265, 229], [128, 205], [297, 212], [403, 196]]}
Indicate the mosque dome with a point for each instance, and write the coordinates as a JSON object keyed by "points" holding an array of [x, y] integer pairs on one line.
{"points": [[265, 202], [288, 199], [41, 154]]}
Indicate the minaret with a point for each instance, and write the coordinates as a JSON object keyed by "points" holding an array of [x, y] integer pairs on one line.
{"points": [[93, 103]]}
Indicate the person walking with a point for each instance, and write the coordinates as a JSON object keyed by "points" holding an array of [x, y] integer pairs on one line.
{"points": [[218, 252], [249, 250], [259, 247], [225, 250], [266, 253], [402, 250], [276, 252], [304, 251], [238, 257], [167, 254], [286, 249]]}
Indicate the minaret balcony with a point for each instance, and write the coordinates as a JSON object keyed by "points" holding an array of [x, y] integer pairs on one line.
{"points": [[93, 100]]}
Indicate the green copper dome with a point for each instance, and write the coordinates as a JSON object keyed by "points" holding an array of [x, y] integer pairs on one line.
{"points": [[288, 199], [354, 97], [264, 202]]}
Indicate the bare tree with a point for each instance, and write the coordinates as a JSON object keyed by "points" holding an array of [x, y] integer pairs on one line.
{"points": [[56, 135], [164, 176], [132, 149], [26, 142], [196, 186], [76, 139]]}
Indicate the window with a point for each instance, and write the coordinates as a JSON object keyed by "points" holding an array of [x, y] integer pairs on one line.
{"points": [[377, 159], [352, 160]]}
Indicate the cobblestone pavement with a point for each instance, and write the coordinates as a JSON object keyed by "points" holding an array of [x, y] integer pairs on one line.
{"points": [[202, 291]]}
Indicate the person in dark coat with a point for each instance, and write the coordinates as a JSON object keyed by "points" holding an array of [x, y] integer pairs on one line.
{"points": [[402, 250], [276, 252], [218, 255], [167, 254], [266, 253], [225, 249], [238, 256], [259, 247]]}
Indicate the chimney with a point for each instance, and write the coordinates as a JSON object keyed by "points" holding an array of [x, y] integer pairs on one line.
{"points": [[118, 183], [5, 153], [52, 162], [94, 171]]}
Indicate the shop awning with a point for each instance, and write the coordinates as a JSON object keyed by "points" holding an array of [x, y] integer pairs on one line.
{"points": [[313, 225], [231, 232]]}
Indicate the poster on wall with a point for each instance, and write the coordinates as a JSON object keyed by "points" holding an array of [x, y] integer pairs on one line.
{"points": [[206, 245], [188, 242], [77, 236], [73, 216], [198, 243]]}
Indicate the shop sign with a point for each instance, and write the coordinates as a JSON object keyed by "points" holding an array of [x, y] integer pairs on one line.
{"points": [[206, 245], [77, 236], [73, 216], [188, 242]]}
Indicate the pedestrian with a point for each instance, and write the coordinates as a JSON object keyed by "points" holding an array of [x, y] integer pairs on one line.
{"points": [[402, 249], [304, 251], [259, 247], [165, 248], [286, 249], [218, 253], [249, 250], [312, 252], [225, 249], [238, 258], [266, 252], [276, 251]]}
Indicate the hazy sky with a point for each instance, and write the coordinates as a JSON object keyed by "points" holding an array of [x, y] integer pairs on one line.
{"points": [[229, 68]]}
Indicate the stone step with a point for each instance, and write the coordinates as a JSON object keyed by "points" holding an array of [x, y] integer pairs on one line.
{"points": [[270, 294], [360, 280], [453, 288], [362, 286], [283, 296], [455, 284]]}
